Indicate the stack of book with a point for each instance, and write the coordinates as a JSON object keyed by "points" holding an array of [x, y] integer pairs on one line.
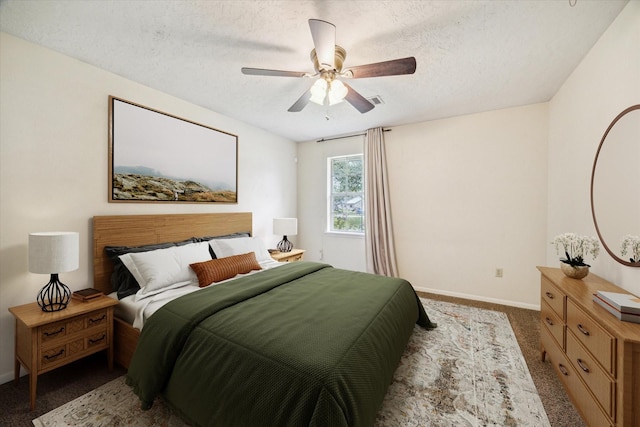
{"points": [[86, 294], [624, 306]]}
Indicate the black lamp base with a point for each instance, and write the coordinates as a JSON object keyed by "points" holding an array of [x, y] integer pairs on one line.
{"points": [[284, 245], [54, 296]]}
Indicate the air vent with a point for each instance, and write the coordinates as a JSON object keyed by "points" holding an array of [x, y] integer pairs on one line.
{"points": [[376, 100]]}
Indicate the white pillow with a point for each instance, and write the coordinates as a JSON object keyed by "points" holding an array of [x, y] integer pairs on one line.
{"points": [[241, 245], [163, 269]]}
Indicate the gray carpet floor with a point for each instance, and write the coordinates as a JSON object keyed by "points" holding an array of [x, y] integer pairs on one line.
{"points": [[62, 385]]}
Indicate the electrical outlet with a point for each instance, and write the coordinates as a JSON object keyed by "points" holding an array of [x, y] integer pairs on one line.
{"points": [[498, 272]]}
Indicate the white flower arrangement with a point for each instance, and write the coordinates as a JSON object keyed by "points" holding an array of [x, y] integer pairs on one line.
{"points": [[631, 243], [576, 247]]}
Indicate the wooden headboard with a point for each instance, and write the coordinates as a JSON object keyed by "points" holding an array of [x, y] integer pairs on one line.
{"points": [[136, 230]]}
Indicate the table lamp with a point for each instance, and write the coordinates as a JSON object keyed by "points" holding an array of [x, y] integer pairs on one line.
{"points": [[52, 253], [285, 227]]}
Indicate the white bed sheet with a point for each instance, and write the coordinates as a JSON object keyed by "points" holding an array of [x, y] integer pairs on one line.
{"points": [[137, 312]]}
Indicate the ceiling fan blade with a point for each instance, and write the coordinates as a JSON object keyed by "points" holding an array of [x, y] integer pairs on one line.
{"points": [[360, 103], [273, 73], [324, 40], [301, 102], [394, 67]]}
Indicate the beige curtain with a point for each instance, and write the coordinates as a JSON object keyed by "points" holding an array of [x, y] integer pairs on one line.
{"points": [[380, 251]]}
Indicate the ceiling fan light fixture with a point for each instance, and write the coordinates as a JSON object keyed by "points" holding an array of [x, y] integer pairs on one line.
{"points": [[337, 92], [331, 92], [318, 91]]}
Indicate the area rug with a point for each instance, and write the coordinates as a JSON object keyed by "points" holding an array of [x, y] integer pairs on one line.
{"points": [[469, 371]]}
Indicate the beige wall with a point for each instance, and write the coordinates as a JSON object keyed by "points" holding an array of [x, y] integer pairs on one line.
{"points": [[53, 165], [468, 195], [606, 82]]}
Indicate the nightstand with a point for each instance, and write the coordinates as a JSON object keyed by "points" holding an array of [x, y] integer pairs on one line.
{"points": [[293, 255], [47, 340]]}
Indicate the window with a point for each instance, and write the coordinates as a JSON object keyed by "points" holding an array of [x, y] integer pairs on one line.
{"points": [[346, 194]]}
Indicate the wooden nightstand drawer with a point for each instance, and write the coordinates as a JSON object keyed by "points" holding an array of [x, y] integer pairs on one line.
{"points": [[53, 332], [53, 355], [599, 342], [96, 340], [95, 319], [293, 258], [293, 255]]}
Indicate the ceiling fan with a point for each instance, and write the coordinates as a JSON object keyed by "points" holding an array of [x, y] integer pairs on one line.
{"points": [[327, 58]]}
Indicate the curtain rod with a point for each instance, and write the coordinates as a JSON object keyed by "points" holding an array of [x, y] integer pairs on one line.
{"points": [[348, 136]]}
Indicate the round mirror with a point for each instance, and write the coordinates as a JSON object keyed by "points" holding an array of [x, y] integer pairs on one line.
{"points": [[615, 187]]}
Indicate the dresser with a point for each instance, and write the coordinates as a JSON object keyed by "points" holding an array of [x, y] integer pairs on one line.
{"points": [[48, 340], [595, 355]]}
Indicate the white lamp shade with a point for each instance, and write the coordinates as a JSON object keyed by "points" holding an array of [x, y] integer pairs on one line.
{"points": [[54, 252], [285, 226], [318, 91], [338, 92]]}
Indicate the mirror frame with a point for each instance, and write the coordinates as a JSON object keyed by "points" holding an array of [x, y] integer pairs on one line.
{"points": [[593, 174]]}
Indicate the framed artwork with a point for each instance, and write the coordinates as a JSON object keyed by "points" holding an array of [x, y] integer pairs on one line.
{"points": [[157, 157]]}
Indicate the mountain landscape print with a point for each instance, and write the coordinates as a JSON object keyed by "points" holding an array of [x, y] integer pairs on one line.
{"points": [[156, 157]]}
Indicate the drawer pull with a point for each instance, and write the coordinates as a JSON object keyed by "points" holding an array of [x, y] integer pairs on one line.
{"points": [[563, 369], [104, 316], [91, 341], [53, 356], [52, 334], [549, 322], [583, 330], [549, 295], [583, 366]]}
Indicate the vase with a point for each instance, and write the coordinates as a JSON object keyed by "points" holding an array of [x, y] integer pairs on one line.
{"points": [[578, 272]]}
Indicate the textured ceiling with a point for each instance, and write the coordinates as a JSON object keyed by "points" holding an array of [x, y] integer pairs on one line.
{"points": [[472, 56]]}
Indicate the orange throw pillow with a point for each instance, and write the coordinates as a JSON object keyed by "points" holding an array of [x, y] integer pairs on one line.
{"points": [[217, 270]]}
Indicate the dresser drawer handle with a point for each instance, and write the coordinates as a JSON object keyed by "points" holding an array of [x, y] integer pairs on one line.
{"points": [[104, 316], [583, 330], [58, 354], [91, 341], [549, 295], [563, 369], [51, 334], [549, 322], [583, 366]]}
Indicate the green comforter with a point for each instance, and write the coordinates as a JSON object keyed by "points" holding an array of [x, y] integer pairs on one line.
{"points": [[302, 344]]}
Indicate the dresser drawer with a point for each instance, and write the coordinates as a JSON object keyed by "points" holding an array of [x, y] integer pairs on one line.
{"points": [[600, 384], [99, 339], [554, 324], [583, 400], [58, 355], [58, 332], [599, 342], [552, 296], [294, 258]]}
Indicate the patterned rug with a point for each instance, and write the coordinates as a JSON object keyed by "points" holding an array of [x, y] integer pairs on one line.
{"points": [[467, 372]]}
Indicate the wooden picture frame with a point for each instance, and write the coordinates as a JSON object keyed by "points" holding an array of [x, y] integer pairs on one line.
{"points": [[155, 157]]}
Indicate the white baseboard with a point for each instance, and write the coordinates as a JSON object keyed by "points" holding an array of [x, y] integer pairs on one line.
{"points": [[480, 298], [8, 376]]}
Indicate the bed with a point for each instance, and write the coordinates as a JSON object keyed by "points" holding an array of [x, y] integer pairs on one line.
{"points": [[300, 344]]}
